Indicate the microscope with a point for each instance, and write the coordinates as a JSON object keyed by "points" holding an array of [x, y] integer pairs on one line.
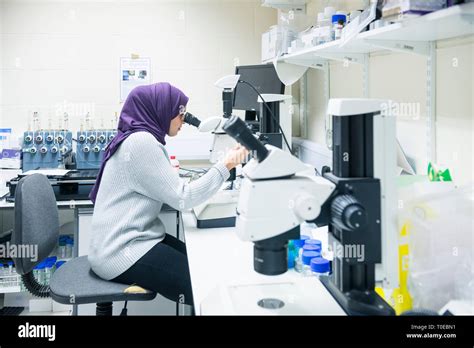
{"points": [[218, 211], [279, 192]]}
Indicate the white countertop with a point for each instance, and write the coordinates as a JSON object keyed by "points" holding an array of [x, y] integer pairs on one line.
{"points": [[225, 283]]}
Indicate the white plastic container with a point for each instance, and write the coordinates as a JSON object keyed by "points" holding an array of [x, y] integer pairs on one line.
{"points": [[440, 244]]}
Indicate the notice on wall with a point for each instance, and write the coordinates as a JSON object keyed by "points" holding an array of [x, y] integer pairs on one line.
{"points": [[133, 72]]}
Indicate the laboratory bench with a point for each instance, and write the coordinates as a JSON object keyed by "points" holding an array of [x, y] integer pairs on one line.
{"points": [[225, 283]]}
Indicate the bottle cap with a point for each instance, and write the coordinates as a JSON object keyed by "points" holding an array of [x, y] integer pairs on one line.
{"points": [[310, 247], [338, 17], [300, 242], [307, 256], [320, 265], [59, 264], [313, 242]]}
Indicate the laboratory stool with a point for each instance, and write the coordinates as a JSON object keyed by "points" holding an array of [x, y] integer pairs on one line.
{"points": [[74, 283]]}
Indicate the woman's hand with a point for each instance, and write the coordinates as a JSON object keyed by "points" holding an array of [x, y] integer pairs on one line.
{"points": [[235, 156]]}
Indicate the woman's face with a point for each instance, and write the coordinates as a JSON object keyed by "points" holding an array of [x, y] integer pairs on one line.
{"points": [[176, 124]]}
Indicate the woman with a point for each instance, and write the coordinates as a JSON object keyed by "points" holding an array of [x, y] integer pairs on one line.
{"points": [[130, 244]]}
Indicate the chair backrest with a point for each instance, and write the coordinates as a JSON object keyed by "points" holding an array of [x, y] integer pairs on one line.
{"points": [[36, 229]]}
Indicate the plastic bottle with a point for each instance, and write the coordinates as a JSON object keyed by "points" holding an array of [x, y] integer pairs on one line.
{"points": [[174, 163], [62, 247], [310, 247], [320, 267], [338, 22], [306, 257], [291, 254], [315, 242], [69, 247], [298, 249], [47, 273]]}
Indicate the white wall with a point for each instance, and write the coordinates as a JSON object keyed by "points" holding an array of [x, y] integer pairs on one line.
{"points": [[1, 65], [402, 78], [67, 51]]}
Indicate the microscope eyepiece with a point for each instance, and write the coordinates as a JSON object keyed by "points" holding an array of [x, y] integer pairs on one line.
{"points": [[192, 120], [238, 130]]}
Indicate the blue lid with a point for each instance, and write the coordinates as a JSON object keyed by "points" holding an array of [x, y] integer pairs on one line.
{"points": [[307, 256], [69, 241], [42, 265], [310, 247], [10, 263], [60, 263], [320, 265], [52, 259], [314, 242], [339, 17], [300, 242]]}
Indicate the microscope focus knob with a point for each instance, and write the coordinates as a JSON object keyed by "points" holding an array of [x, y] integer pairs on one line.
{"points": [[306, 207], [348, 213]]}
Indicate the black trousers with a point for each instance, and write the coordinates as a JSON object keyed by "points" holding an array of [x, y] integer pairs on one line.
{"points": [[163, 269]]}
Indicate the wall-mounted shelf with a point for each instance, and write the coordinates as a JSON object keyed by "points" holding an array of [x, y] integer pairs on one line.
{"points": [[409, 36], [286, 5]]}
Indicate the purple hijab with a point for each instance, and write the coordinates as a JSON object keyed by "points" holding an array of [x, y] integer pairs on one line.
{"points": [[147, 109]]}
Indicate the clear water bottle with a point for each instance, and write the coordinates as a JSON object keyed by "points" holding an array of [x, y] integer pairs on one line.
{"points": [[69, 247], [307, 256], [320, 267], [47, 273], [62, 247], [298, 250], [42, 273]]}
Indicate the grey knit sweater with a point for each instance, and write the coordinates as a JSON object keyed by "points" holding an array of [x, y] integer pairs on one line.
{"points": [[137, 180]]}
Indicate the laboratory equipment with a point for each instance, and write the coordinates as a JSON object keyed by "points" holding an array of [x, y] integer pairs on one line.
{"points": [[219, 210], [72, 185], [265, 79], [46, 148], [397, 10], [306, 257], [91, 144], [276, 41], [320, 267], [348, 200], [338, 23]]}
